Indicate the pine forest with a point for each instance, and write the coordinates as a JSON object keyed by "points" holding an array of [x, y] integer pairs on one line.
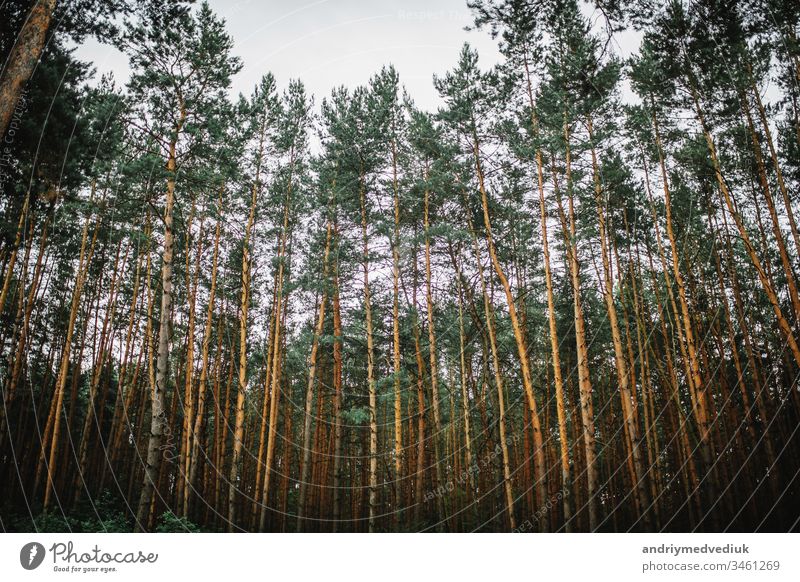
{"points": [[565, 300]]}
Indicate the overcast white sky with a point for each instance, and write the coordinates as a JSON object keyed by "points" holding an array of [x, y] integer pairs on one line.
{"points": [[326, 43]]}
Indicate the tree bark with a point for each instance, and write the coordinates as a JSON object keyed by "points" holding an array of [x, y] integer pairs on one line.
{"points": [[23, 59], [157, 413]]}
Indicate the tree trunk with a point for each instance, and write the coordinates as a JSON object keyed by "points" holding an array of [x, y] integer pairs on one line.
{"points": [[193, 446], [396, 361], [23, 59], [54, 419], [437, 422], [490, 331], [373, 404], [769, 290], [158, 414], [627, 387], [539, 465], [305, 463], [584, 380]]}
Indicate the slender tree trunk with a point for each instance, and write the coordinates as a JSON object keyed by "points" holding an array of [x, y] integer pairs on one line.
{"points": [[305, 463], [762, 114], [188, 389], [157, 412], [12, 260], [193, 445], [373, 406], [626, 386], [396, 359], [766, 284], [54, 419], [281, 302], [437, 422], [125, 389], [490, 331], [584, 380], [695, 377], [337, 386], [554, 352], [783, 252], [99, 365], [242, 384], [462, 356], [554, 349], [539, 465]]}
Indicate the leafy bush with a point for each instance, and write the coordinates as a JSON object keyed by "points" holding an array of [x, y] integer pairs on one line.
{"points": [[171, 523]]}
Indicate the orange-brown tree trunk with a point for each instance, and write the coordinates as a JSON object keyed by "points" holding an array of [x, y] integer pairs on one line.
{"points": [[24, 56]]}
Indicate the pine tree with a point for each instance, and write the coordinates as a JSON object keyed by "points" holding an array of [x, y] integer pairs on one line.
{"points": [[175, 110]]}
